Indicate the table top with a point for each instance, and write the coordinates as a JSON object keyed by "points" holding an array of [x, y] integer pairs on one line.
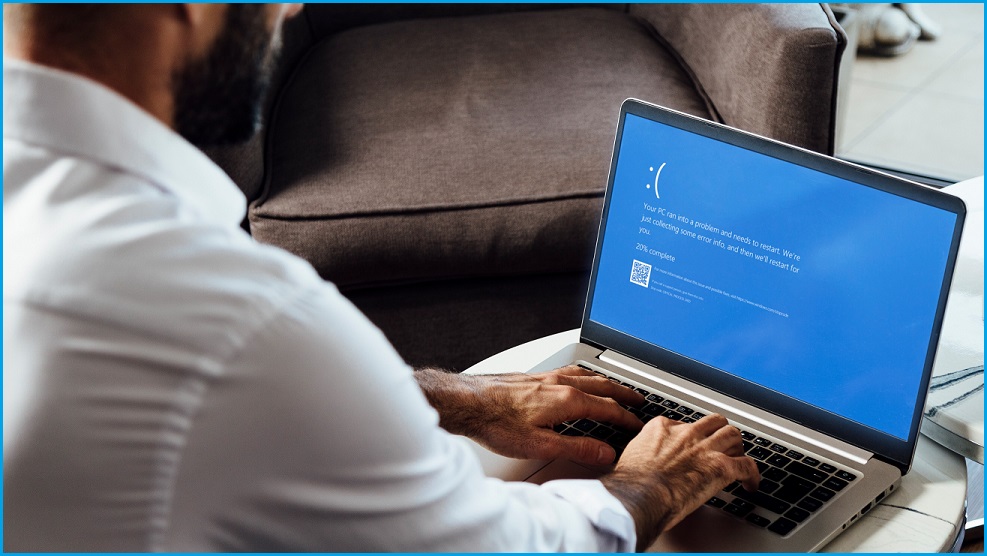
{"points": [[954, 414], [925, 514]]}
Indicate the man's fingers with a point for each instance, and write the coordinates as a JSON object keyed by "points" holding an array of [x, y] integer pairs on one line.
{"points": [[746, 472], [580, 449], [573, 370], [710, 424], [580, 405], [599, 386], [591, 383], [727, 440]]}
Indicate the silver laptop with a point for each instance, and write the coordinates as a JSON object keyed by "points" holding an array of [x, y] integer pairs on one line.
{"points": [[797, 295]]}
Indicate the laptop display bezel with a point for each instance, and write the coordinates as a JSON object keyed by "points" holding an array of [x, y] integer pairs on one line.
{"points": [[885, 446]]}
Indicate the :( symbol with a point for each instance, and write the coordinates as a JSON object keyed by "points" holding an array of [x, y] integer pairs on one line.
{"points": [[658, 173]]}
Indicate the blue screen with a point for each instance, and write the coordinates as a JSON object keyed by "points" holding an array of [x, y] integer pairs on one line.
{"points": [[810, 285]]}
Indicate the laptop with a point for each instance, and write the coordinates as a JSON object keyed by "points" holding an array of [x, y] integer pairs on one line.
{"points": [[797, 295]]}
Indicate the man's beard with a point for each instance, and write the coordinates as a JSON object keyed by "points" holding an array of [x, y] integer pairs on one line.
{"points": [[219, 98]]}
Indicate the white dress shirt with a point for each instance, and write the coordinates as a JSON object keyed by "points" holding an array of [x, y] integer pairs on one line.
{"points": [[169, 384]]}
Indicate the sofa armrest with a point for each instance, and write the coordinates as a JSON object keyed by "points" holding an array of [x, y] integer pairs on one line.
{"points": [[770, 69]]}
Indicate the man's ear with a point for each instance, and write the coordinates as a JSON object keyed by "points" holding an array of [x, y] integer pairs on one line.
{"points": [[190, 14], [201, 23]]}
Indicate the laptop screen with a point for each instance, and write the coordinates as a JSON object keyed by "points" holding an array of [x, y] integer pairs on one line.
{"points": [[813, 286]]}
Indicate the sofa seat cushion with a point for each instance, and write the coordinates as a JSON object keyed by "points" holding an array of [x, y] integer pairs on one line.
{"points": [[446, 148]]}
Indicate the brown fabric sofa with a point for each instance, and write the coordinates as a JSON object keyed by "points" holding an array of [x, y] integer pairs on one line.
{"points": [[444, 165]]}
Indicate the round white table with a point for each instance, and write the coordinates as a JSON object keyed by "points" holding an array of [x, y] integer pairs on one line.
{"points": [[954, 413], [926, 513]]}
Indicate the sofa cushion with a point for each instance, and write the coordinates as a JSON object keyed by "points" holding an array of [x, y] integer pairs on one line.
{"points": [[457, 147]]}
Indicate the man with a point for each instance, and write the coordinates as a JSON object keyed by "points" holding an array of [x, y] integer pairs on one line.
{"points": [[171, 385]]}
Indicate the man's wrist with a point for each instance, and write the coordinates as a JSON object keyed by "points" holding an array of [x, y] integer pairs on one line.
{"points": [[645, 502], [456, 399]]}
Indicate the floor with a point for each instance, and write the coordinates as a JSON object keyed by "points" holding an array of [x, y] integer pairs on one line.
{"points": [[974, 541], [923, 111]]}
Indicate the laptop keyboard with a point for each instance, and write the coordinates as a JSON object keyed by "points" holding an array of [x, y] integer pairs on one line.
{"points": [[793, 485]]}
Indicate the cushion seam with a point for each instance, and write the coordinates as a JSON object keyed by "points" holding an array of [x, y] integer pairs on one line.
{"points": [[503, 203]]}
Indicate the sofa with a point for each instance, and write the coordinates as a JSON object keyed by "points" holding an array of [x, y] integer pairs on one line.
{"points": [[444, 165]]}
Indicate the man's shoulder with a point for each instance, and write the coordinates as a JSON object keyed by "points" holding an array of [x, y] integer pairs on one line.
{"points": [[106, 246]]}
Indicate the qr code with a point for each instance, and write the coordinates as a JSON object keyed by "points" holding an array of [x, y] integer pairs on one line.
{"points": [[641, 273]]}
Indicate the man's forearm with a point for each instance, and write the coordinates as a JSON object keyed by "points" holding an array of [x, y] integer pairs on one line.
{"points": [[456, 399], [643, 501]]}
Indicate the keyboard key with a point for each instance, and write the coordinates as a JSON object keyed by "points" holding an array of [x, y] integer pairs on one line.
{"points": [[688, 420], [636, 412], [642, 391], [768, 486], [655, 398], [810, 504], [738, 510], [762, 467], [793, 489], [746, 435], [747, 445], [826, 468], [779, 448], [585, 425], [778, 460], [795, 455], [763, 500], [812, 462], [774, 474], [697, 416], [782, 526], [834, 483], [560, 427], [716, 502], [674, 416], [602, 433], [846, 476], [796, 514], [653, 409], [612, 379], [758, 520], [686, 410], [823, 494], [759, 453], [669, 404], [619, 439], [627, 385], [805, 472], [731, 486], [762, 441]]}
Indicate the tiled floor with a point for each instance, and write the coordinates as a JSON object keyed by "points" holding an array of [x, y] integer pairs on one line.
{"points": [[923, 111]]}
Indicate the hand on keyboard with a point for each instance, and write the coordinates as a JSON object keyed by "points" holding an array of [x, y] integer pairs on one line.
{"points": [[513, 414], [671, 468]]}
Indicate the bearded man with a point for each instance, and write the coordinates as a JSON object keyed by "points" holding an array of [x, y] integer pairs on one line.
{"points": [[171, 385]]}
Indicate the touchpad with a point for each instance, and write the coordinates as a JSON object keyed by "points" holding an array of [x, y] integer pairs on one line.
{"points": [[565, 469]]}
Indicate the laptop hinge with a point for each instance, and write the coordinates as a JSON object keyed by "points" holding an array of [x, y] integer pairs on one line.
{"points": [[735, 409]]}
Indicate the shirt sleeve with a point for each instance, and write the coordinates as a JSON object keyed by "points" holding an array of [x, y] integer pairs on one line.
{"points": [[317, 438]]}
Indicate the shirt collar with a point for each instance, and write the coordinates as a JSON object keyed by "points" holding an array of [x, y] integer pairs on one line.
{"points": [[79, 117]]}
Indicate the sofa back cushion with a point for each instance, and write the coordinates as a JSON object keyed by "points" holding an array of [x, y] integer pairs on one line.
{"points": [[430, 149]]}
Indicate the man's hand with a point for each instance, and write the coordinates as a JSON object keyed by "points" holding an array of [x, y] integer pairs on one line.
{"points": [[672, 468], [513, 414]]}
